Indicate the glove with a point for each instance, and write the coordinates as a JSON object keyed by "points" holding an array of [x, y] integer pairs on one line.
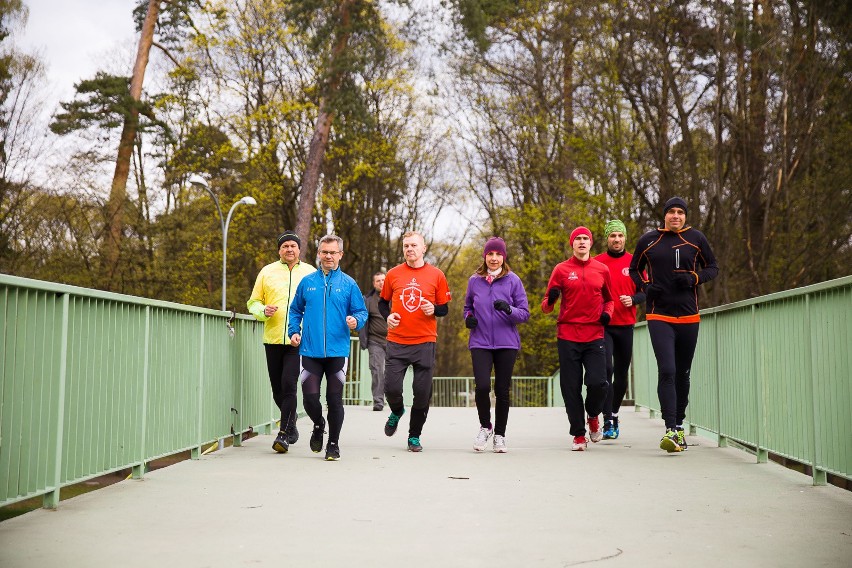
{"points": [[470, 322], [652, 291], [503, 306], [552, 294], [604, 319], [685, 280]]}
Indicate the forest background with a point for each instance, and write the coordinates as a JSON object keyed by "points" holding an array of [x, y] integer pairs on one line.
{"points": [[458, 118]]}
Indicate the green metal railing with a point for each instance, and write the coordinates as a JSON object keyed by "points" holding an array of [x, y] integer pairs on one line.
{"points": [[93, 382], [772, 373]]}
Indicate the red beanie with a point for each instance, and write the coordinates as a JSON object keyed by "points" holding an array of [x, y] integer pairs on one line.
{"points": [[581, 231]]}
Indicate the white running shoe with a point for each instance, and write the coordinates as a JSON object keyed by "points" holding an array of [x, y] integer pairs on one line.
{"points": [[580, 443], [499, 444], [595, 434], [481, 439]]}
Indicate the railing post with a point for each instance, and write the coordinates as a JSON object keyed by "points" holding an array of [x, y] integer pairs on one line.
{"points": [[761, 453], [139, 469], [237, 438], [51, 499], [819, 475], [721, 439], [196, 451], [550, 391]]}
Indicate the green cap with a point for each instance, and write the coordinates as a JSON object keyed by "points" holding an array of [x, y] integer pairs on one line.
{"points": [[615, 226]]}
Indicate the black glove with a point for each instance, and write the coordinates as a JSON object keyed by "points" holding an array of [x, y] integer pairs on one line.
{"points": [[604, 319], [503, 306], [685, 280], [552, 294], [470, 322], [652, 291]]}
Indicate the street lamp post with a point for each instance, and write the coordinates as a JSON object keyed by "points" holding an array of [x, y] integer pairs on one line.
{"points": [[199, 181]]}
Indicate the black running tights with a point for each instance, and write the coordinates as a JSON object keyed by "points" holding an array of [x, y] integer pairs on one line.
{"points": [[674, 347]]}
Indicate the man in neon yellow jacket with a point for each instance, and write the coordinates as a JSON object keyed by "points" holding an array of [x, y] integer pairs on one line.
{"points": [[270, 301]]}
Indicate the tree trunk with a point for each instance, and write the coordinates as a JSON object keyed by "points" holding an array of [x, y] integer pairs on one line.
{"points": [[118, 190], [755, 161], [568, 104], [319, 141], [310, 181]]}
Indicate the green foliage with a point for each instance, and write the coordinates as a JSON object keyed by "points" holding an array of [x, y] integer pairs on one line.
{"points": [[476, 16], [10, 10], [104, 103]]}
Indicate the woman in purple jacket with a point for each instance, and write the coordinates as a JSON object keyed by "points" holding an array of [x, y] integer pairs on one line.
{"points": [[494, 305]]}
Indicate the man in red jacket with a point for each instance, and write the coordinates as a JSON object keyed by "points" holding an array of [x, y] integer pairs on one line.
{"points": [[619, 331], [586, 306]]}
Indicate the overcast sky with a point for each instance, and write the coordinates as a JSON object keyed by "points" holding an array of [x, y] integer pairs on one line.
{"points": [[76, 37]]}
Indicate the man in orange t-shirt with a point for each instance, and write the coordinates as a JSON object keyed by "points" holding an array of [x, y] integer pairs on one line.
{"points": [[413, 296]]}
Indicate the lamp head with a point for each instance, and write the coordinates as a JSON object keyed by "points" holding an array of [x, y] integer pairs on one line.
{"points": [[248, 200], [196, 179]]}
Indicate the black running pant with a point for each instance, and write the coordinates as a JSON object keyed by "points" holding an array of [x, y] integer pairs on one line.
{"points": [[619, 349], [573, 358], [334, 369], [503, 363], [674, 347], [421, 357], [282, 362]]}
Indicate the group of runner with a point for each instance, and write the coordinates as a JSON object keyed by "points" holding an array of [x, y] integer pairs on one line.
{"points": [[309, 337]]}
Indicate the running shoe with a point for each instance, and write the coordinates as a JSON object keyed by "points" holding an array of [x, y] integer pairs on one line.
{"points": [[579, 444], [609, 431], [392, 423], [482, 438], [292, 433], [280, 444], [499, 444], [681, 439], [332, 452], [317, 437], [414, 445], [669, 442], [595, 434]]}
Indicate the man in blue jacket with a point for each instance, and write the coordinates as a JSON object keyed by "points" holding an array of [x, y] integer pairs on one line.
{"points": [[328, 304]]}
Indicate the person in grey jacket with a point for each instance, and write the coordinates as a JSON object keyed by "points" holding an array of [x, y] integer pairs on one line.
{"points": [[374, 337], [494, 304]]}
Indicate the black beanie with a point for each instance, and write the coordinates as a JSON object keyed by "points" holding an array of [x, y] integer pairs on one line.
{"points": [[675, 202], [289, 236]]}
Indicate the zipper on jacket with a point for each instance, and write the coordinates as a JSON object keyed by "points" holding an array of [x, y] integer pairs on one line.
{"points": [[326, 292], [677, 258], [289, 293]]}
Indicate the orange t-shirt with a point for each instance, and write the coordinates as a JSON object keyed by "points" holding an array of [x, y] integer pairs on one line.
{"points": [[405, 288]]}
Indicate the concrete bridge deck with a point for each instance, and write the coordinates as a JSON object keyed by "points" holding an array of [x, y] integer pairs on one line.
{"points": [[622, 503]]}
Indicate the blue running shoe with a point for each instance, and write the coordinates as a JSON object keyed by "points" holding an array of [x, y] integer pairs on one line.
{"points": [[608, 433]]}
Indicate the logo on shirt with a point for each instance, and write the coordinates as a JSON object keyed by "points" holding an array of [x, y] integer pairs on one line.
{"points": [[625, 271], [411, 296], [572, 276]]}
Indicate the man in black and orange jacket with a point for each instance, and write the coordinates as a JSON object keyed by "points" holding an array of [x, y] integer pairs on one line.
{"points": [[677, 259]]}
